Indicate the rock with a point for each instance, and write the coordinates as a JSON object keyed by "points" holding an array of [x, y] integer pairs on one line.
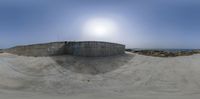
{"points": [[161, 53]]}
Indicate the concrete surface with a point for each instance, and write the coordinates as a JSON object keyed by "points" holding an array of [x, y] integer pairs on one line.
{"points": [[85, 48], [128, 76]]}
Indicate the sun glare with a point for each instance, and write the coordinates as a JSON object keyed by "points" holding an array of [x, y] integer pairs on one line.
{"points": [[100, 27]]}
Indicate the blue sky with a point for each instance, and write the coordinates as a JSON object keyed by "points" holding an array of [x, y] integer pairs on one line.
{"points": [[141, 23]]}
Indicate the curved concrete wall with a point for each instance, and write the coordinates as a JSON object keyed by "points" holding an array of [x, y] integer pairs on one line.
{"points": [[95, 48], [87, 48], [47, 49], [1, 51]]}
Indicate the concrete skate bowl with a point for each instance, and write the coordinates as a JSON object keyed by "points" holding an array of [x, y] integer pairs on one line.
{"points": [[128, 74], [88, 57], [55, 74], [92, 65]]}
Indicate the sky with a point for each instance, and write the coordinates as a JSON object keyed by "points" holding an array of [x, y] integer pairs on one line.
{"points": [[138, 23]]}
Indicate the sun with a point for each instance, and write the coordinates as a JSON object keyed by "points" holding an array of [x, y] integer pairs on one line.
{"points": [[100, 27]]}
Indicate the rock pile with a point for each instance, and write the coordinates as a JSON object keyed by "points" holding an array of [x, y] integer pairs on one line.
{"points": [[162, 53]]}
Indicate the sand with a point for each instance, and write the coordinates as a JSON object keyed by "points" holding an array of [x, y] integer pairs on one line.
{"points": [[129, 76]]}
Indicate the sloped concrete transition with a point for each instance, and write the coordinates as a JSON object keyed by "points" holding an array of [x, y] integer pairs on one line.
{"points": [[92, 65]]}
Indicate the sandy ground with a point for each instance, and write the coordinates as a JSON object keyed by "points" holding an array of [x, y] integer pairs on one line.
{"points": [[129, 76]]}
